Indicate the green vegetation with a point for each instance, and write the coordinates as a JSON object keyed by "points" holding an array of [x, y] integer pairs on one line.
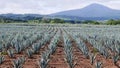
{"points": [[91, 22], [54, 21], [34, 20], [95, 51], [113, 22], [6, 20], [3, 53]]}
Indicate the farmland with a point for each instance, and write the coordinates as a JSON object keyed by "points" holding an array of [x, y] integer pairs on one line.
{"points": [[59, 46]]}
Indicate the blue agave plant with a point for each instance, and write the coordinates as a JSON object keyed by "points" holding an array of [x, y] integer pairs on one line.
{"points": [[29, 53], [98, 65], [36, 47], [43, 63], [18, 63], [10, 53], [1, 59], [0, 47], [44, 60], [115, 58], [18, 47], [92, 58]]}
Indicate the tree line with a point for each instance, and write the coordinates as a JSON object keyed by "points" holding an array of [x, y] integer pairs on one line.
{"points": [[56, 20]]}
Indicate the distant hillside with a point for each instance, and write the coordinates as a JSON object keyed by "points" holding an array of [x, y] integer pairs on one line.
{"points": [[90, 12], [23, 17], [28, 18]]}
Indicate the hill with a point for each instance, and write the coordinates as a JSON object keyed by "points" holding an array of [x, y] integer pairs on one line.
{"points": [[90, 12]]}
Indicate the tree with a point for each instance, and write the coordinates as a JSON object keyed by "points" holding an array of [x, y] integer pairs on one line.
{"points": [[91, 22], [57, 21]]}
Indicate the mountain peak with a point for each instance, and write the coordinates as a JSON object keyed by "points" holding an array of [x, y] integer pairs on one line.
{"points": [[92, 10], [96, 6]]}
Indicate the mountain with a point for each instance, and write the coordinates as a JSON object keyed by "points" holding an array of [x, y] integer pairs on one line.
{"points": [[23, 17], [92, 12]]}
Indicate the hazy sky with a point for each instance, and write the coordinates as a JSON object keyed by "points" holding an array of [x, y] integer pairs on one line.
{"points": [[50, 6]]}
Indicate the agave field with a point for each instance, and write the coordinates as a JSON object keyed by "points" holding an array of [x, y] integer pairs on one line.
{"points": [[59, 46]]}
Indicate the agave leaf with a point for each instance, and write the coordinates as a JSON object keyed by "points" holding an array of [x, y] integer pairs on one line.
{"points": [[11, 53], [2, 59]]}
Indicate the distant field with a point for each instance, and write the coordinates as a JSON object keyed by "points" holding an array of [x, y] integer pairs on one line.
{"points": [[59, 46]]}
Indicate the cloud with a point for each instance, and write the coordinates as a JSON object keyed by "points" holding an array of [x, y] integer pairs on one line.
{"points": [[50, 6]]}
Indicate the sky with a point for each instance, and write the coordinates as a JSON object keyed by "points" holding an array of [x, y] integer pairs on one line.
{"points": [[50, 6]]}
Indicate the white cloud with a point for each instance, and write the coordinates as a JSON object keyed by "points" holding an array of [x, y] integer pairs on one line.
{"points": [[50, 6]]}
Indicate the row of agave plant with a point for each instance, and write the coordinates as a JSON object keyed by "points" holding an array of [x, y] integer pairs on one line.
{"points": [[83, 48], [37, 46], [16, 63], [31, 47], [12, 38], [45, 58], [102, 43], [68, 50], [103, 49]]}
